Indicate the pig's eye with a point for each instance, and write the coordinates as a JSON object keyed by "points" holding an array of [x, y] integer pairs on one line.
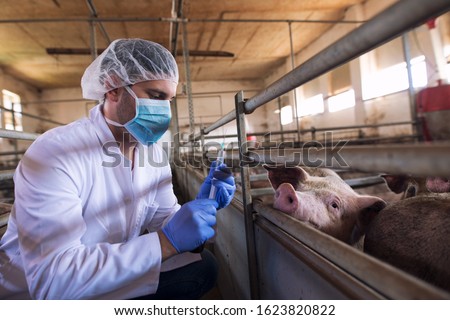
{"points": [[335, 205]]}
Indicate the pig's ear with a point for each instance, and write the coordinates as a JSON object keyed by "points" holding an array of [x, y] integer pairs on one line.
{"points": [[278, 175], [369, 207], [438, 185], [396, 183]]}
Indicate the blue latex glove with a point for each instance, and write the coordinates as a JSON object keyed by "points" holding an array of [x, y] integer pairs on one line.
{"points": [[192, 225], [223, 180]]}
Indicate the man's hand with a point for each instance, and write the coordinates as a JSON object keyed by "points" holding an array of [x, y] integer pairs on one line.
{"points": [[222, 179], [192, 225]]}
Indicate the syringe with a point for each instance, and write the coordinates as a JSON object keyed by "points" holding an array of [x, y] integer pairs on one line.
{"points": [[212, 192], [219, 161]]}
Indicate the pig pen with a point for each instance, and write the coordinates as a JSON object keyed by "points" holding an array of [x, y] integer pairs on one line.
{"points": [[291, 260], [266, 254]]}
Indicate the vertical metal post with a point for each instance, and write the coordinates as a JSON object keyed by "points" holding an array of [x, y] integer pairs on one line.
{"points": [[246, 196], [187, 69], [411, 91], [202, 139], [176, 132], [93, 40], [94, 14], [15, 142], [279, 116], [294, 105]]}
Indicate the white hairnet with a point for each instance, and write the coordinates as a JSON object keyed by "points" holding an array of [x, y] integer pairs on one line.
{"points": [[126, 62]]}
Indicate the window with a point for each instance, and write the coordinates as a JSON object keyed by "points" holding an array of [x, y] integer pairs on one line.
{"points": [[342, 101], [13, 118], [394, 79], [339, 80], [310, 106], [286, 115]]}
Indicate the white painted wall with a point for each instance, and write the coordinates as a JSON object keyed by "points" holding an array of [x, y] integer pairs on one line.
{"points": [[65, 105]]}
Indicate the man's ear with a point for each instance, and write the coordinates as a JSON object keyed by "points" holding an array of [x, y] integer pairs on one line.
{"points": [[113, 95]]}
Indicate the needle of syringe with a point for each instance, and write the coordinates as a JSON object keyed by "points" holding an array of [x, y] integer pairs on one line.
{"points": [[219, 161]]}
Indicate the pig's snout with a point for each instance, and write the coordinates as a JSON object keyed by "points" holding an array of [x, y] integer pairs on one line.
{"points": [[286, 199]]}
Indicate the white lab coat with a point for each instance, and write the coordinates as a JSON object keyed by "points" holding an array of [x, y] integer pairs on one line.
{"points": [[77, 227]]}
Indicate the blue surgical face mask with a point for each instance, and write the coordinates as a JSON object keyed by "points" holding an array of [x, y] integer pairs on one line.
{"points": [[151, 121]]}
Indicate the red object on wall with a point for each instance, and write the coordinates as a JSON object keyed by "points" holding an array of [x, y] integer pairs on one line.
{"points": [[434, 99], [431, 100], [431, 23]]}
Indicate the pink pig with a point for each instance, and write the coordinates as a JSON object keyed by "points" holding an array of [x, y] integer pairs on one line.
{"points": [[321, 198]]}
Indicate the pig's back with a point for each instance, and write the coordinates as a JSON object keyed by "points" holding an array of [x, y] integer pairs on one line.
{"points": [[414, 235]]}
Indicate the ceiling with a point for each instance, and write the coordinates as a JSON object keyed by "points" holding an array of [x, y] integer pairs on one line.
{"points": [[29, 27]]}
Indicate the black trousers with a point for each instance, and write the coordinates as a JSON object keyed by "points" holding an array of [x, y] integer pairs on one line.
{"points": [[190, 282]]}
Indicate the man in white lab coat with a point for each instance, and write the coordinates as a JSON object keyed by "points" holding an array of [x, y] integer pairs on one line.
{"points": [[95, 216]]}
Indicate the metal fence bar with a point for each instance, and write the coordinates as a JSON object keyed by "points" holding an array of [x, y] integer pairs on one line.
{"points": [[222, 121], [430, 159], [313, 129], [247, 200], [6, 175], [29, 115], [11, 134]]}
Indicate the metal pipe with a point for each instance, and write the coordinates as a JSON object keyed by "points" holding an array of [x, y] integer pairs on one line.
{"points": [[316, 129], [176, 131], [358, 126], [222, 121], [279, 119], [10, 134], [6, 175], [216, 93], [390, 23], [33, 116], [93, 40], [411, 91], [175, 26], [247, 199], [394, 283], [364, 182], [294, 105], [173, 20], [173, 14], [278, 21], [188, 79], [256, 192], [94, 14], [421, 159], [12, 153], [55, 101]]}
